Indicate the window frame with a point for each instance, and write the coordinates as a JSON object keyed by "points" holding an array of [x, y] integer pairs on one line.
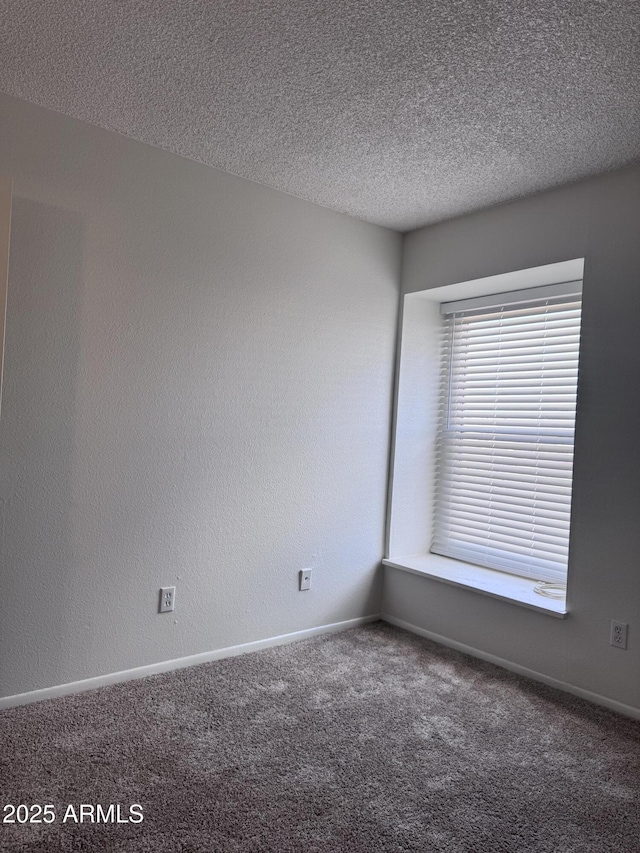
{"points": [[408, 527]]}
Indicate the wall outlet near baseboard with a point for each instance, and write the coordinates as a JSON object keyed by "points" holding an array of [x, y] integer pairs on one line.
{"points": [[167, 599], [619, 634], [305, 579]]}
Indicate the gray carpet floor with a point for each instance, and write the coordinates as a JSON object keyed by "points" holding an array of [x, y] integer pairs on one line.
{"points": [[369, 741]]}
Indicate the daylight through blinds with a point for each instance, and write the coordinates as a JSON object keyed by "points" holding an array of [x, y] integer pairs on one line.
{"points": [[505, 448]]}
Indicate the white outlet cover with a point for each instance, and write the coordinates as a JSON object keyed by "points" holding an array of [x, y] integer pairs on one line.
{"points": [[619, 631], [305, 579], [167, 599]]}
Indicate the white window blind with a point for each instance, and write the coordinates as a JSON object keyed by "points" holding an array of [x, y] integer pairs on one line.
{"points": [[505, 437]]}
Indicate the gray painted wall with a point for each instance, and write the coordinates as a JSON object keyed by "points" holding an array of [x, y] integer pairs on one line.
{"points": [[197, 392], [600, 220]]}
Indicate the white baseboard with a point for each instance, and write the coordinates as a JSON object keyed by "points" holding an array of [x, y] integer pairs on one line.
{"points": [[177, 663], [596, 698]]}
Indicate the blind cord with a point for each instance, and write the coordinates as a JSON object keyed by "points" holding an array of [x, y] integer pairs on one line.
{"points": [[551, 590]]}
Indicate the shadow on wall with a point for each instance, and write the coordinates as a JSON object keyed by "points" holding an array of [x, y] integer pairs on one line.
{"points": [[37, 448]]}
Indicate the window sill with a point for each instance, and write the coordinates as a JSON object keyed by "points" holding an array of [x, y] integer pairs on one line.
{"points": [[485, 581]]}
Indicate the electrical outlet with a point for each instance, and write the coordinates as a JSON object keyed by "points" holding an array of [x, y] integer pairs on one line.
{"points": [[619, 634], [305, 579], [167, 599]]}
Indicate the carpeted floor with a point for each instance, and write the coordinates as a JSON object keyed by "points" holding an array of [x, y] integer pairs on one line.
{"points": [[369, 741]]}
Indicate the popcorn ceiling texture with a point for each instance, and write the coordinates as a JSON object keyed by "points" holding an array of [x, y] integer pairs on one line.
{"points": [[402, 113]]}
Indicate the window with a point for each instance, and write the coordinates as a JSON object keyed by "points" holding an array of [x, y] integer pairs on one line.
{"points": [[484, 412], [505, 436]]}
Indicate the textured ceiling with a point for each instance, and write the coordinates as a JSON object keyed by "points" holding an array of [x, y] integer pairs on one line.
{"points": [[400, 112]]}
